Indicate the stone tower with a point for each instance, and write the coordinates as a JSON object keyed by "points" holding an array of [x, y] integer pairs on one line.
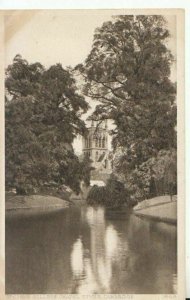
{"points": [[95, 144]]}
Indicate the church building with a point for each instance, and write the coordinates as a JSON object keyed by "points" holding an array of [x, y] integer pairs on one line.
{"points": [[95, 146]]}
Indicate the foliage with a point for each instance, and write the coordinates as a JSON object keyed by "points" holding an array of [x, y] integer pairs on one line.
{"points": [[42, 115], [128, 72], [113, 194], [156, 176], [85, 170], [97, 195]]}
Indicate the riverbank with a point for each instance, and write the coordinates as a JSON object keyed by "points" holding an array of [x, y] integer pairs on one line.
{"points": [[159, 209], [15, 203]]}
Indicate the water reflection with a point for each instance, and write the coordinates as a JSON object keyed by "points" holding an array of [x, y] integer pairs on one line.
{"points": [[111, 242], [132, 253], [83, 251], [98, 265], [77, 258]]}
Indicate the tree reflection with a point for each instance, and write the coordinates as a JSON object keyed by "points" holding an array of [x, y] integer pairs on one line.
{"points": [[77, 264], [118, 253], [96, 267]]}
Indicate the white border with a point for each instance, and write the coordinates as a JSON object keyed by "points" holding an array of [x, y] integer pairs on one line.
{"points": [[96, 4], [93, 4]]}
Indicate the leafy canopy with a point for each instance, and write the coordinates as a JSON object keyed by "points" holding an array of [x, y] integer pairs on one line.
{"points": [[42, 113], [128, 72]]}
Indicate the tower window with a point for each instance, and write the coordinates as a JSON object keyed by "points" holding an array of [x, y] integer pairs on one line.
{"points": [[106, 163], [90, 142], [96, 142], [103, 142], [100, 142], [96, 155]]}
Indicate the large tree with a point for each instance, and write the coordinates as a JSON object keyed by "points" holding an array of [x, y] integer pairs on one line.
{"points": [[128, 71], [42, 114]]}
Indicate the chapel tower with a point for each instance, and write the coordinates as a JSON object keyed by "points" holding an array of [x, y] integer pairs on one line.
{"points": [[95, 144]]}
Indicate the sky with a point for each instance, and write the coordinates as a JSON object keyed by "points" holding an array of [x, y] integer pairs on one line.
{"points": [[63, 36]]}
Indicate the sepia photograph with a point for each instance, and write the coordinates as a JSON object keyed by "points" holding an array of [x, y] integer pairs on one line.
{"points": [[92, 166]]}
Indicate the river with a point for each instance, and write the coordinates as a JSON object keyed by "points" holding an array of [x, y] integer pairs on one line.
{"points": [[85, 250]]}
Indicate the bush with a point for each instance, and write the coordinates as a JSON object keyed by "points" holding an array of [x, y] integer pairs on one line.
{"points": [[97, 195], [113, 194]]}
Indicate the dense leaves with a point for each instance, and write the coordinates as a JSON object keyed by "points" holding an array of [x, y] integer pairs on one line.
{"points": [[113, 194], [128, 72], [156, 176], [42, 114]]}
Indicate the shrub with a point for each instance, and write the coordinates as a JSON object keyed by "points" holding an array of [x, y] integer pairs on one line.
{"points": [[113, 194]]}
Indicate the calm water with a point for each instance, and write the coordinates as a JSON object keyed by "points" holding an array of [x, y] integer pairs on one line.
{"points": [[87, 251]]}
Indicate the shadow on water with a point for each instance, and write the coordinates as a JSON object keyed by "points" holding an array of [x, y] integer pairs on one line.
{"points": [[84, 250]]}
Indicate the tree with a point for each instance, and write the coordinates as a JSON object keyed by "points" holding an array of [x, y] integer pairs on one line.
{"points": [[42, 115], [128, 72], [154, 177], [113, 194]]}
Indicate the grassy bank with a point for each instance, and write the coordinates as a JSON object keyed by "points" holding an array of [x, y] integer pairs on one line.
{"points": [[159, 208], [15, 202]]}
